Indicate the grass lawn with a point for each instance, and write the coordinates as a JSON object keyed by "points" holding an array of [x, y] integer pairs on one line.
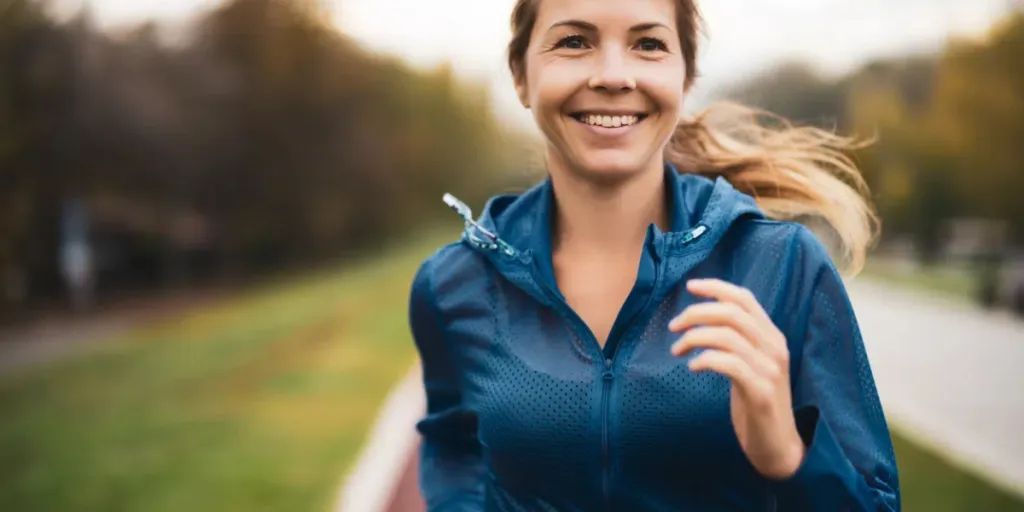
{"points": [[259, 404], [256, 405], [930, 484], [951, 282]]}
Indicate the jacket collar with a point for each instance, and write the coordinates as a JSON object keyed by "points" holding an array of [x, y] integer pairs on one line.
{"points": [[514, 231], [540, 237]]}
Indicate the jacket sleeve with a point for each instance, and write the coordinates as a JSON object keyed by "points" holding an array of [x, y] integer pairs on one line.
{"points": [[850, 464], [451, 467]]}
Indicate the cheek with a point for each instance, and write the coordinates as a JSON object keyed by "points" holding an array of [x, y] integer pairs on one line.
{"points": [[666, 91], [551, 85], [663, 82]]}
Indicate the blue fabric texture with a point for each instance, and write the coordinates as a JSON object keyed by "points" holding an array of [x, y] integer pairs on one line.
{"points": [[527, 412]]}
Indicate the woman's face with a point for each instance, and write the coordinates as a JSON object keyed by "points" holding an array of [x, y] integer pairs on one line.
{"points": [[604, 79]]}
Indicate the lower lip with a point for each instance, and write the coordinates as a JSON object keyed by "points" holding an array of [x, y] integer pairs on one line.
{"points": [[608, 132]]}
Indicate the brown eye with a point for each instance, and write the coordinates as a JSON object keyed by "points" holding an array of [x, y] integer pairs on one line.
{"points": [[650, 44], [574, 42]]}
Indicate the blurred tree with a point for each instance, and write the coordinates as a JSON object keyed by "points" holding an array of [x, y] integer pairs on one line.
{"points": [[35, 107], [265, 140], [797, 91], [977, 117], [909, 177]]}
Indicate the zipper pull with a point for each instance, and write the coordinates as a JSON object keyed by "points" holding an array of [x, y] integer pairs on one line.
{"points": [[608, 375], [472, 227], [460, 208], [694, 233]]}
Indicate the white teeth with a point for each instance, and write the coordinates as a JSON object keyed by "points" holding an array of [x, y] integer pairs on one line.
{"points": [[610, 121]]}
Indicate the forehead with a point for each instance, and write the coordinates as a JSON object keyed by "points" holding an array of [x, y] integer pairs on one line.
{"points": [[606, 13]]}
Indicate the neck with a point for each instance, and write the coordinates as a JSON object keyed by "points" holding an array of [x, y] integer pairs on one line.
{"points": [[607, 218]]}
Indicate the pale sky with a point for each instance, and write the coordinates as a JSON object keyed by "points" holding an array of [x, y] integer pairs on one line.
{"points": [[743, 36]]}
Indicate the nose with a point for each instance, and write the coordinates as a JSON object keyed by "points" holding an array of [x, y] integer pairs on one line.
{"points": [[612, 74]]}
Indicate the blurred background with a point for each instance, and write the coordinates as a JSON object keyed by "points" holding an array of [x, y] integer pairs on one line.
{"points": [[210, 213]]}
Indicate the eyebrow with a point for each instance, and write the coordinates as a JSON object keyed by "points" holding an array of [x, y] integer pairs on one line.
{"points": [[583, 25]]}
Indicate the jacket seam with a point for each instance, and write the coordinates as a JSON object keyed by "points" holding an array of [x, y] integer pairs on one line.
{"points": [[808, 292], [456, 495], [442, 325], [801, 320]]}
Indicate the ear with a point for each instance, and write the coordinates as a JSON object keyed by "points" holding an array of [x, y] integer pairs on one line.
{"points": [[519, 78]]}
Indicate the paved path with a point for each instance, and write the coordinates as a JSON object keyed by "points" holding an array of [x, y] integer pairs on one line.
{"points": [[949, 374], [384, 479], [62, 335]]}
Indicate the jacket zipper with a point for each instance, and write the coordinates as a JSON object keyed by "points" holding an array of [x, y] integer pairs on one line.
{"points": [[608, 375]]}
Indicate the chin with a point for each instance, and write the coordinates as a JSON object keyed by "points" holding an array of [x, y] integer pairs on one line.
{"points": [[612, 166]]}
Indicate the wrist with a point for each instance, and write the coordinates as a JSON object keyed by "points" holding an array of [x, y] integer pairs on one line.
{"points": [[790, 459]]}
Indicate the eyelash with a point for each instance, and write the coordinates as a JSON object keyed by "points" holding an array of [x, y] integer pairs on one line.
{"points": [[564, 42], [659, 44]]}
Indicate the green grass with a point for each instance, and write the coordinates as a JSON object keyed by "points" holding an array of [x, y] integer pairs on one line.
{"points": [[931, 484], [950, 282], [261, 404]]}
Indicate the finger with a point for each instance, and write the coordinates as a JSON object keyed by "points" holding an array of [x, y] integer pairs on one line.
{"points": [[728, 292], [745, 299], [720, 314], [730, 365], [724, 339]]}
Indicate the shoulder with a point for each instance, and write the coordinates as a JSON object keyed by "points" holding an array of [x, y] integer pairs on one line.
{"points": [[449, 267], [793, 241], [787, 256], [446, 286]]}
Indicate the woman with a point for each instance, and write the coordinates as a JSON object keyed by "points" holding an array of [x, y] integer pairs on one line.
{"points": [[638, 332]]}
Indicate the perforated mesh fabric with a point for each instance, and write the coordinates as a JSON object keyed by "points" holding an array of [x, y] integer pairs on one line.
{"points": [[523, 414]]}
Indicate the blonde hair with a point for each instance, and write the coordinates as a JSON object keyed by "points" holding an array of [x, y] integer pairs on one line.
{"points": [[796, 173]]}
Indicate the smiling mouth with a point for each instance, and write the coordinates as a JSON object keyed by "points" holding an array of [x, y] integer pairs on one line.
{"points": [[608, 120]]}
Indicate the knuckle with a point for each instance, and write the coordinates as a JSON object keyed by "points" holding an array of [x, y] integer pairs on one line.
{"points": [[780, 339], [782, 355], [754, 326], [734, 310], [772, 371], [736, 337]]}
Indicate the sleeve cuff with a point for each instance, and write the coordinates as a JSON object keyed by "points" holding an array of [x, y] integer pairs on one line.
{"points": [[825, 473]]}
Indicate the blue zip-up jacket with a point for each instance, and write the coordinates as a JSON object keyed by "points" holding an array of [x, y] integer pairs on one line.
{"points": [[527, 412]]}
